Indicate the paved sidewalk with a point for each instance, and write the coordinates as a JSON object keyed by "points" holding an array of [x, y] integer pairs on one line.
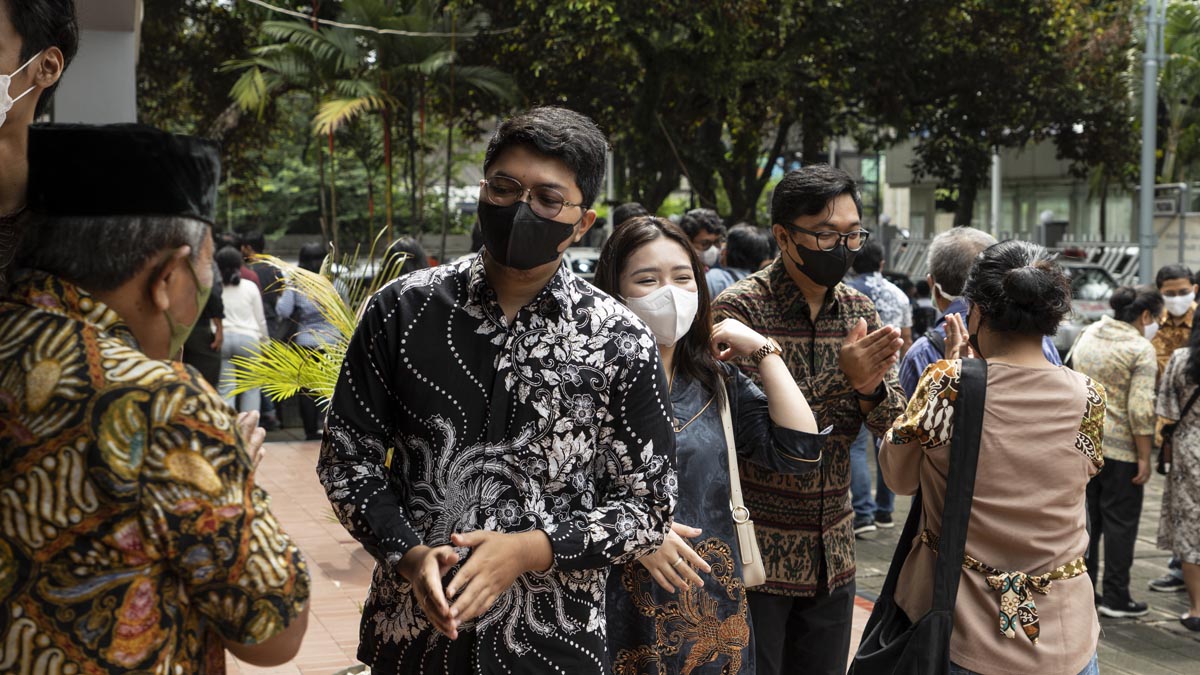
{"points": [[1153, 645], [1156, 644], [340, 568]]}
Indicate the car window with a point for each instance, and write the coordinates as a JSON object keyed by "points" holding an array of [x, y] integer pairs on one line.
{"points": [[1091, 284]]}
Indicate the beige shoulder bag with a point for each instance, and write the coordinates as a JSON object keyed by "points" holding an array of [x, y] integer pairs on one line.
{"points": [[753, 571]]}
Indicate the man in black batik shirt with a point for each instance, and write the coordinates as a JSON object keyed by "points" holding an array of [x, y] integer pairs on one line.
{"points": [[501, 434]]}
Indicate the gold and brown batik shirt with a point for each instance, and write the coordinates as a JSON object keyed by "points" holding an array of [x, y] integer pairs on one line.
{"points": [[132, 535], [804, 523]]}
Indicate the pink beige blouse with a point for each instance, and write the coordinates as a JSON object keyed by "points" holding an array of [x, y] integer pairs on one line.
{"points": [[1041, 444]]}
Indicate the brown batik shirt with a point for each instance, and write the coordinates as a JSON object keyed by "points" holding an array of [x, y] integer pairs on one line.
{"points": [[804, 523]]}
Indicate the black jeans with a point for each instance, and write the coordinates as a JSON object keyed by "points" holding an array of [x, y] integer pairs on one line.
{"points": [[1114, 506], [802, 636]]}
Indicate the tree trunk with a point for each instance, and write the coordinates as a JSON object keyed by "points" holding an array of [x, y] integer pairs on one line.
{"points": [[324, 217], [387, 161], [964, 210], [1104, 204], [411, 168], [333, 225], [449, 148]]}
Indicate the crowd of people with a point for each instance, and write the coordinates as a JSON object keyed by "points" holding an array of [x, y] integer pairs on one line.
{"points": [[661, 471]]}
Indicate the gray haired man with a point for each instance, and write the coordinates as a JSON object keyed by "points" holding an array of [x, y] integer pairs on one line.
{"points": [[950, 258]]}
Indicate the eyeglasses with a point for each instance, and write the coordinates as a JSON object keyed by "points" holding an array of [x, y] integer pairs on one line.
{"points": [[546, 202], [829, 240]]}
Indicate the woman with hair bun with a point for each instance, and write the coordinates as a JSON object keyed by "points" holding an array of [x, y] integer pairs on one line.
{"points": [[1116, 351], [1039, 446]]}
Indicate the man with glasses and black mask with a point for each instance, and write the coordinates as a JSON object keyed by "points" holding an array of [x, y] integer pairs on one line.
{"points": [[501, 432], [38, 39], [842, 358]]}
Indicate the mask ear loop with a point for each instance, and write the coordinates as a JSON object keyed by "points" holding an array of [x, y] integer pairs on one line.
{"points": [[18, 71]]}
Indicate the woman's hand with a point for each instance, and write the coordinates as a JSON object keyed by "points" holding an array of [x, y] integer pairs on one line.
{"points": [[732, 338], [958, 342], [674, 564]]}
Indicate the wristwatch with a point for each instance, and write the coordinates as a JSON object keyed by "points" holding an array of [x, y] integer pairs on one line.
{"points": [[770, 347], [876, 396]]}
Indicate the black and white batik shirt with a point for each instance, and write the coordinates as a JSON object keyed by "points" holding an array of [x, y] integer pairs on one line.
{"points": [[447, 418]]}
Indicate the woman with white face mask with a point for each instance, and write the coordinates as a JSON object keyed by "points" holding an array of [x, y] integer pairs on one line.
{"points": [[660, 607]]}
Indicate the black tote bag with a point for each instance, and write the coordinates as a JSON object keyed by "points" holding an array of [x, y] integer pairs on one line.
{"points": [[891, 644]]}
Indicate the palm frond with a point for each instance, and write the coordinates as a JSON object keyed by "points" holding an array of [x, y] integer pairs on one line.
{"points": [[333, 114], [283, 370]]}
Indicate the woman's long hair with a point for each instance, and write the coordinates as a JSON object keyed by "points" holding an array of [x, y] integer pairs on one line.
{"points": [[693, 359], [1193, 362]]}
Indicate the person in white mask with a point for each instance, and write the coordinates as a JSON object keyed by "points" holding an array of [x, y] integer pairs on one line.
{"points": [[705, 230], [1177, 285], [659, 606], [38, 39]]}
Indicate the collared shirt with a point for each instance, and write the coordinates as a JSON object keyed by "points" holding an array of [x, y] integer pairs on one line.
{"points": [[805, 523], [1173, 333], [923, 353], [892, 303], [449, 418], [1118, 356], [132, 534]]}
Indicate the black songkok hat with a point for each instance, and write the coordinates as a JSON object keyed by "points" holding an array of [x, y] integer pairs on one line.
{"points": [[121, 170]]}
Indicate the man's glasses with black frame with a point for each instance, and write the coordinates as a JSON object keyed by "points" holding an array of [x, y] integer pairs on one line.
{"points": [[828, 240], [545, 201]]}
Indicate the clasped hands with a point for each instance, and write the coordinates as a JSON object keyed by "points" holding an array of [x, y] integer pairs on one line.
{"points": [[866, 359], [496, 560]]}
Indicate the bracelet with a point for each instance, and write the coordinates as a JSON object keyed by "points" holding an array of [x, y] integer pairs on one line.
{"points": [[876, 396]]}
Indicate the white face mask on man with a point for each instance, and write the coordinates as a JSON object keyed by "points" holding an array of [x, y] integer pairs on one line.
{"points": [[711, 256], [1179, 305], [7, 101], [669, 312]]}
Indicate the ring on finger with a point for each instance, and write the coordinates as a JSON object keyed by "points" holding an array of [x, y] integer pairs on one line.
{"points": [[677, 562]]}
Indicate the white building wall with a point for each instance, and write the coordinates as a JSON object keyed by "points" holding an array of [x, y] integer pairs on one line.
{"points": [[100, 87]]}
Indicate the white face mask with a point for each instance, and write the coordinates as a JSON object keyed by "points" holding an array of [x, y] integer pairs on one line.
{"points": [[711, 256], [7, 101], [1150, 330], [1178, 306], [668, 311]]}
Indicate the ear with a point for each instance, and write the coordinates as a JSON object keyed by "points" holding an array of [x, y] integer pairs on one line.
{"points": [[50, 68], [585, 224], [168, 275], [780, 234]]}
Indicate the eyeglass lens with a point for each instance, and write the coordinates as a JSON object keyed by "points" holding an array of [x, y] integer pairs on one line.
{"points": [[546, 202]]}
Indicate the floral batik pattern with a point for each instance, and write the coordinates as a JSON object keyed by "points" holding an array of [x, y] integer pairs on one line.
{"points": [[132, 535], [448, 417]]}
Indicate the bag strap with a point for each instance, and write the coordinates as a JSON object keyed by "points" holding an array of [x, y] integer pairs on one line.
{"points": [[937, 340], [1190, 402], [736, 505], [960, 490]]}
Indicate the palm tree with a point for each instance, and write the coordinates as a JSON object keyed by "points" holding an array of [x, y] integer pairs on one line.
{"points": [[307, 59], [1179, 81], [397, 74]]}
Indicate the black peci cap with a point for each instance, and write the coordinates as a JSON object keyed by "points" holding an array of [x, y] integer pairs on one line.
{"points": [[121, 170]]}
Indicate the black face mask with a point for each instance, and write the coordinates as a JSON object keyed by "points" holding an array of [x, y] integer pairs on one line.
{"points": [[825, 268], [517, 237]]}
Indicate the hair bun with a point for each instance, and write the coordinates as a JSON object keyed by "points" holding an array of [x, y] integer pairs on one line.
{"points": [[1027, 285], [1122, 298]]}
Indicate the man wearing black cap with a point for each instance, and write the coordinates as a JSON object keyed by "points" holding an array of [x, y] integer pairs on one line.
{"points": [[133, 536], [38, 39]]}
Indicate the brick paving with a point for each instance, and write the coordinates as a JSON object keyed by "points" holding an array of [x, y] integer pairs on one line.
{"points": [[1153, 645]]}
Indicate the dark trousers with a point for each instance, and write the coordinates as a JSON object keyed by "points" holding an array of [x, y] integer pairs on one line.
{"points": [[802, 636], [1114, 506]]}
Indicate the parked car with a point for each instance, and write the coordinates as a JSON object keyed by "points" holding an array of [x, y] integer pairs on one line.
{"points": [[583, 261], [1091, 287]]}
